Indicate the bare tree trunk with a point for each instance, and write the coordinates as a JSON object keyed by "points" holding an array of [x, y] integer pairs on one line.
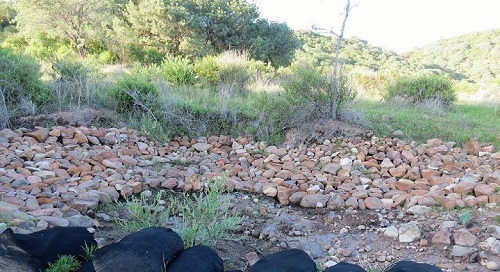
{"points": [[336, 76]]}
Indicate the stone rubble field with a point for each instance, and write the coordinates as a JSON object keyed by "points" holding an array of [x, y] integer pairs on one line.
{"points": [[409, 195]]}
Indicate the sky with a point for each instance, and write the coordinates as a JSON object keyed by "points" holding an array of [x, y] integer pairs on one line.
{"points": [[397, 25]]}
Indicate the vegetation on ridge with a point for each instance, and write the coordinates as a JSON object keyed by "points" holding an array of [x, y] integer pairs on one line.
{"points": [[178, 77]]}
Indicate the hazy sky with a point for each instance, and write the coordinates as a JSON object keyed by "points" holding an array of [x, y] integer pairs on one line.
{"points": [[398, 25]]}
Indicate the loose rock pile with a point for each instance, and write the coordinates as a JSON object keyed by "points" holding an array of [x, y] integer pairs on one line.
{"points": [[54, 177]]}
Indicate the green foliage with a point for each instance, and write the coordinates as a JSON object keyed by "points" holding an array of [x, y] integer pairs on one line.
{"points": [[20, 79], [207, 71], [134, 93], [202, 218], [205, 218], [275, 43], [70, 70], [143, 212], [420, 122], [465, 217], [74, 20], [308, 84], [474, 56], [234, 72], [145, 55], [149, 127], [89, 251], [421, 88], [65, 263], [179, 71]]}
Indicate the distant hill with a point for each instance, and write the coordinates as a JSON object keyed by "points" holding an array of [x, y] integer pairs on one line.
{"points": [[355, 52], [473, 57]]}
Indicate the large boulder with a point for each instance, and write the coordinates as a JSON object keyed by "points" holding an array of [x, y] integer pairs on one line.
{"points": [[34, 251], [292, 260], [147, 250]]}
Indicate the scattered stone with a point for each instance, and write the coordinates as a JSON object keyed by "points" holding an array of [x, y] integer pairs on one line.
{"points": [[409, 232]]}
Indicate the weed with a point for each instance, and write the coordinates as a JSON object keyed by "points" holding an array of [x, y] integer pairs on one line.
{"points": [[143, 212], [65, 263], [205, 218], [184, 162], [465, 217], [373, 269], [496, 219], [89, 251]]}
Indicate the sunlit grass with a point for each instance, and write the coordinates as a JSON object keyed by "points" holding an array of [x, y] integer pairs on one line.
{"points": [[458, 122]]}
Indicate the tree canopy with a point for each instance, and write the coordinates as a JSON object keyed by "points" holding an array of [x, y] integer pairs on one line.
{"points": [[192, 28]]}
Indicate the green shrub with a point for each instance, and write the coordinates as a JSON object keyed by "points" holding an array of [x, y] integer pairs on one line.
{"points": [[20, 79], [179, 71], [132, 93], [234, 73], [108, 57], [66, 70], [207, 71], [143, 212], [65, 263], [420, 88], [308, 84], [205, 219], [148, 55]]}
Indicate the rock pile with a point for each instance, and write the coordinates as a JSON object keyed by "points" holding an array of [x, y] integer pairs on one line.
{"points": [[55, 177]]}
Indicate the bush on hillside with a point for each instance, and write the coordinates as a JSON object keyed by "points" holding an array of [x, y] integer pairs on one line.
{"points": [[69, 70], [133, 93], [207, 71], [179, 71], [309, 84], [20, 79], [421, 88]]}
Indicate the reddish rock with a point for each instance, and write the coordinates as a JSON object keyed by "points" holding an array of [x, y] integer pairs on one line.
{"points": [[296, 198], [373, 203], [405, 185], [472, 147], [41, 134], [441, 237], [398, 172], [314, 200], [464, 187], [483, 189], [428, 173], [284, 195], [169, 183]]}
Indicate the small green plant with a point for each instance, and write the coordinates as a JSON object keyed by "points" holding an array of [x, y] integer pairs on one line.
{"points": [[373, 269], [179, 71], [20, 82], [89, 251], [143, 212], [207, 71], [184, 162], [205, 218], [65, 263], [421, 88], [135, 93], [465, 217], [496, 219]]}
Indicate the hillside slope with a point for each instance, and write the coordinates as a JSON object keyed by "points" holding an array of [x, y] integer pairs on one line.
{"points": [[474, 57]]}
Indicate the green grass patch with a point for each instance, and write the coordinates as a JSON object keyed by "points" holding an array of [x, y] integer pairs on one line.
{"points": [[201, 218], [420, 122]]}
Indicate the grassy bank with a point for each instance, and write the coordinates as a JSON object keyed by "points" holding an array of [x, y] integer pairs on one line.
{"points": [[458, 122]]}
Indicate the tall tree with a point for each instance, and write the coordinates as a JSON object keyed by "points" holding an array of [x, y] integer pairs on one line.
{"points": [[76, 20], [273, 43]]}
